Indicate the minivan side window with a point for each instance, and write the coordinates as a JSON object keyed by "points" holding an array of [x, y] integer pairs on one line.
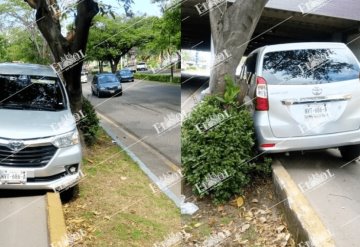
{"points": [[310, 66], [250, 66]]}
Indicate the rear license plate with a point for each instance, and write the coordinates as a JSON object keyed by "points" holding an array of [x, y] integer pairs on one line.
{"points": [[315, 111], [13, 177]]}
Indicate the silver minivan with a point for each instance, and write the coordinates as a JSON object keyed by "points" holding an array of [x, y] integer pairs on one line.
{"points": [[39, 140], [305, 96]]}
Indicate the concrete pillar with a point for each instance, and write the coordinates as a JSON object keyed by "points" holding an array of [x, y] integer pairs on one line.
{"points": [[353, 42]]}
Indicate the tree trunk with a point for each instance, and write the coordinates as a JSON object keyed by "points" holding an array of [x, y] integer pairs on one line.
{"points": [[49, 25], [231, 27]]}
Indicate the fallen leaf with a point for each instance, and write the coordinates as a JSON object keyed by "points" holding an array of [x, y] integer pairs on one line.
{"points": [[197, 225], [245, 227], [240, 201], [255, 201]]}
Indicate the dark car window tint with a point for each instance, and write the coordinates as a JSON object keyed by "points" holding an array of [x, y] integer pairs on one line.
{"points": [[310, 66], [31, 92]]}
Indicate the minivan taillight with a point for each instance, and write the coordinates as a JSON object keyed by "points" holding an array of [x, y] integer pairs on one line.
{"points": [[262, 102]]}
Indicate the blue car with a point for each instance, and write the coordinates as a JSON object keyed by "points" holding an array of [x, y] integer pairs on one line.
{"points": [[125, 75], [106, 84]]}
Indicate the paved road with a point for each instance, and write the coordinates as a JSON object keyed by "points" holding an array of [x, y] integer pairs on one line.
{"points": [[142, 105], [334, 194], [23, 221], [191, 87]]}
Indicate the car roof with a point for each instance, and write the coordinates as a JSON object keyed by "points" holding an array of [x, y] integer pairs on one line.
{"points": [[299, 46], [26, 69]]}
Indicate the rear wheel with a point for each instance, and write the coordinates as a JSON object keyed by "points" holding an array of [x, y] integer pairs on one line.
{"points": [[350, 153]]}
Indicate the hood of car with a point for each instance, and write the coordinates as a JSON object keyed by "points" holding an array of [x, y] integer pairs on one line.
{"points": [[25, 124]]}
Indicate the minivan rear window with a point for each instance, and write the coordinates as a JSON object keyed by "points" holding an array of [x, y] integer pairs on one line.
{"points": [[310, 66], [31, 93]]}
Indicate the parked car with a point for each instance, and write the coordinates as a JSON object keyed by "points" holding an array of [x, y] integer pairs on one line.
{"points": [[131, 67], [125, 75], [141, 66], [106, 84], [84, 77], [305, 96], [39, 140]]}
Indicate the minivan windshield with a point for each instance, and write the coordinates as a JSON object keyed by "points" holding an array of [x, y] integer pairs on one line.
{"points": [[310, 66], [31, 93]]}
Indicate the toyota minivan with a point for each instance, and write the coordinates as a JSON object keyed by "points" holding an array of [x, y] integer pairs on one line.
{"points": [[304, 96], [39, 140]]}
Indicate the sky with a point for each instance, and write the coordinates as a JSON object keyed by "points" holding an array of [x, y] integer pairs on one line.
{"points": [[142, 6]]}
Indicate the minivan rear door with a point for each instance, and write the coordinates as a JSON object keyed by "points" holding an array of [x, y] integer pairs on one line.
{"points": [[312, 91]]}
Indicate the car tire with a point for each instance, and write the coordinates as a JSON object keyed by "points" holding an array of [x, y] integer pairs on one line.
{"points": [[69, 194], [350, 153], [98, 94], [92, 92]]}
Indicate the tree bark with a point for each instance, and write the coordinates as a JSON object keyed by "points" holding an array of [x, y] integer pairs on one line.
{"points": [[49, 25], [231, 27]]}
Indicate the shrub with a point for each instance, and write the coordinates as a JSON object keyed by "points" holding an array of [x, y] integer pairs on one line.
{"points": [[89, 125], [156, 77], [227, 147]]}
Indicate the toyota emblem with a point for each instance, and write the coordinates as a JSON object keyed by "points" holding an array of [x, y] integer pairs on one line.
{"points": [[317, 91], [16, 145]]}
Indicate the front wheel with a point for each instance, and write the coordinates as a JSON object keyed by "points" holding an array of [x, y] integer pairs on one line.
{"points": [[350, 153], [69, 194]]}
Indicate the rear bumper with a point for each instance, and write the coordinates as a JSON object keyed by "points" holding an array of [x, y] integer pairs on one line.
{"points": [[309, 142], [299, 143]]}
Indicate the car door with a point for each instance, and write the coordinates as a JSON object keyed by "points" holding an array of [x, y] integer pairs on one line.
{"points": [[312, 91]]}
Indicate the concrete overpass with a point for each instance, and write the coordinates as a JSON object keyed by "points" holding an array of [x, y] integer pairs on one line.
{"points": [[283, 22]]}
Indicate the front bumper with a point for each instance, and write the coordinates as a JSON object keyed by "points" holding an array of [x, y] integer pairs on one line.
{"points": [[53, 176], [127, 79], [63, 183]]}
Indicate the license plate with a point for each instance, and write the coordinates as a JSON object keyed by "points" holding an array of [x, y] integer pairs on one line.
{"points": [[315, 111], [112, 91], [13, 177]]}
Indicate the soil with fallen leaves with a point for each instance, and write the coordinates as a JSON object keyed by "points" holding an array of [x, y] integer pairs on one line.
{"points": [[254, 219]]}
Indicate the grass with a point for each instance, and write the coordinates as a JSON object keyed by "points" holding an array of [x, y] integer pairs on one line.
{"points": [[116, 206]]}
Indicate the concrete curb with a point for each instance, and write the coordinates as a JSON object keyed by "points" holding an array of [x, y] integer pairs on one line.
{"points": [[303, 222], [56, 221]]}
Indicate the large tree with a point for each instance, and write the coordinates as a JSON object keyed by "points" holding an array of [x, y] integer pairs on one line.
{"points": [[19, 16], [232, 26], [112, 38]]}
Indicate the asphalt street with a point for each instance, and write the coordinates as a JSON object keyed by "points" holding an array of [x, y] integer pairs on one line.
{"points": [[142, 105]]}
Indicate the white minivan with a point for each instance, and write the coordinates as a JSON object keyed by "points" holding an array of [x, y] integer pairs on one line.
{"points": [[39, 140], [305, 96]]}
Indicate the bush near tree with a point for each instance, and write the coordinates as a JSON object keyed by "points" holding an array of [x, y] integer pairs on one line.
{"points": [[229, 146]]}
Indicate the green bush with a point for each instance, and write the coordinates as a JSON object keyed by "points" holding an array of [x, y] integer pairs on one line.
{"points": [[156, 77], [229, 146], [89, 125]]}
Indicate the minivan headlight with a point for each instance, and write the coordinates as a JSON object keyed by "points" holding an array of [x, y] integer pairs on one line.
{"points": [[66, 140]]}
